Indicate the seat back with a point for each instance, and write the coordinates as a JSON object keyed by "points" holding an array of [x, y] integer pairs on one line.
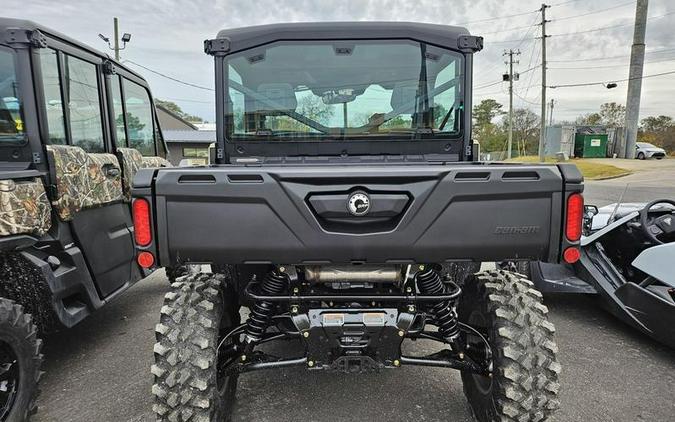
{"points": [[83, 180]]}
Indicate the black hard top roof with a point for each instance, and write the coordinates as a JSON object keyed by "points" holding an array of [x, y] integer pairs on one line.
{"points": [[10, 23], [247, 37]]}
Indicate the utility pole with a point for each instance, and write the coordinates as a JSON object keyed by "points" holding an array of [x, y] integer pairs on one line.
{"points": [[637, 59], [542, 130], [117, 38], [511, 77], [550, 115], [116, 41]]}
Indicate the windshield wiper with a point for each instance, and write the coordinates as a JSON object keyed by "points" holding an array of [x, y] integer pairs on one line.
{"points": [[446, 117]]}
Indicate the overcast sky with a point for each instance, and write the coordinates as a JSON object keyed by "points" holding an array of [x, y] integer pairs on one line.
{"points": [[168, 36]]}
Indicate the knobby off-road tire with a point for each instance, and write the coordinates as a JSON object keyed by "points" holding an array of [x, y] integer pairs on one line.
{"points": [[197, 311], [20, 361], [524, 385]]}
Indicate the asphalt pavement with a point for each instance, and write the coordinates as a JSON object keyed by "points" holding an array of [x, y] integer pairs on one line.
{"points": [[100, 370]]}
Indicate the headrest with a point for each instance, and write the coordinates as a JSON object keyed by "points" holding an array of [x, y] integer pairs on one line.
{"points": [[281, 94]]}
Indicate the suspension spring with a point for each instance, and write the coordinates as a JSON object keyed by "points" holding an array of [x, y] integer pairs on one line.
{"points": [[444, 313], [274, 283]]}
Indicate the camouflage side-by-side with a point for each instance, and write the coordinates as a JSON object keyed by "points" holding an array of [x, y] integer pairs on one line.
{"points": [[24, 208], [132, 160], [84, 180]]}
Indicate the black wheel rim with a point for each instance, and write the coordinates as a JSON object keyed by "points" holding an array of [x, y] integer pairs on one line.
{"points": [[9, 378]]}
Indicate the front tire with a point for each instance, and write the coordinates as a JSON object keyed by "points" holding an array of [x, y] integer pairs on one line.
{"points": [[197, 312], [641, 156], [20, 361], [524, 383]]}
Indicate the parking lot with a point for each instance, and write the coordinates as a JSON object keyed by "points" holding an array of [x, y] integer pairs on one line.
{"points": [[99, 371]]}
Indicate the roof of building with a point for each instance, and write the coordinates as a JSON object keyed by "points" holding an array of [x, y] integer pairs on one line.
{"points": [[189, 136], [175, 116]]}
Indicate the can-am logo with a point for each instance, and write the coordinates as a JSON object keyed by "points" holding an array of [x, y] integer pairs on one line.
{"points": [[358, 204], [516, 230]]}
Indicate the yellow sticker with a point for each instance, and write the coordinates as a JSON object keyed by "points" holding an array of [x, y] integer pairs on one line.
{"points": [[19, 124]]}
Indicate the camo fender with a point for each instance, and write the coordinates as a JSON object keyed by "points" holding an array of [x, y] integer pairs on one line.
{"points": [[24, 208], [84, 180]]}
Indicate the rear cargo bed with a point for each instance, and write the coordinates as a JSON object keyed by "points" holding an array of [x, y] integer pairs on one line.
{"points": [[299, 215]]}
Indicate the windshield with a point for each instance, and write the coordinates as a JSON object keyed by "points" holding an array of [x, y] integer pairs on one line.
{"points": [[316, 90], [11, 124], [645, 145]]}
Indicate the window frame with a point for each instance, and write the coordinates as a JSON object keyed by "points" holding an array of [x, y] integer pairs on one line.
{"points": [[152, 114], [62, 49], [15, 61], [456, 148], [101, 100]]}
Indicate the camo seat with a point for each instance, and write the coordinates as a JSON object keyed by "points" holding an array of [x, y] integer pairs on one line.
{"points": [[24, 208], [83, 180], [132, 160]]}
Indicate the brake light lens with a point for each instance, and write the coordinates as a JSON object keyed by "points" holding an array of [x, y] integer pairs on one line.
{"points": [[571, 255], [575, 215], [142, 227], [145, 259]]}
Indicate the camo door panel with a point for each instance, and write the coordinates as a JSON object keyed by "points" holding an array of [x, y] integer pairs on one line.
{"points": [[132, 160], [84, 180], [24, 208]]}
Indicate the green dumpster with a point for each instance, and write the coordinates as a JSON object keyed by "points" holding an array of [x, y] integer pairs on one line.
{"points": [[590, 145]]}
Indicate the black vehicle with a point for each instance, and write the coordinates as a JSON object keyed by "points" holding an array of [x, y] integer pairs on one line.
{"points": [[74, 128], [626, 258], [344, 188]]}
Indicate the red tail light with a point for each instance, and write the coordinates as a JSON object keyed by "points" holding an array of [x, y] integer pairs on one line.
{"points": [[142, 226], [571, 255], [145, 259], [575, 215]]}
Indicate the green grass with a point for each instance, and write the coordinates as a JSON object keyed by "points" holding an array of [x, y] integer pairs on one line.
{"points": [[591, 170]]}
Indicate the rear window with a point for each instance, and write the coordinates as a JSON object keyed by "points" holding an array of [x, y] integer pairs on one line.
{"points": [[139, 118], [11, 123]]}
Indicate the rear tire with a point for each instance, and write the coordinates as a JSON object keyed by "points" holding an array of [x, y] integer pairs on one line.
{"points": [[197, 312], [20, 361], [524, 385]]}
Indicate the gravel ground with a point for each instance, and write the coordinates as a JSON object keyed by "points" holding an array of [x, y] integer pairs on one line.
{"points": [[99, 371]]}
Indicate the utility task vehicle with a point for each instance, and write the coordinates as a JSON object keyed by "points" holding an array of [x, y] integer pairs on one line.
{"points": [[344, 188], [74, 128], [628, 260]]}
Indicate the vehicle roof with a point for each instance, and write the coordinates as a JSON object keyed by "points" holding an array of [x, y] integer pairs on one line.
{"points": [[246, 37], [10, 23]]}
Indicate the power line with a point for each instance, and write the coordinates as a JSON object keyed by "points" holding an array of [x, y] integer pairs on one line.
{"points": [[593, 12], [495, 18], [609, 27], [608, 66], [605, 82], [169, 77], [663, 50], [488, 85]]}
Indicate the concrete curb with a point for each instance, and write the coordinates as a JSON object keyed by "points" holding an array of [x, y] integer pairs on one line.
{"points": [[617, 176]]}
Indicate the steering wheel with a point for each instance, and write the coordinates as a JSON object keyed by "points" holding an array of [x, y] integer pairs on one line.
{"points": [[654, 227]]}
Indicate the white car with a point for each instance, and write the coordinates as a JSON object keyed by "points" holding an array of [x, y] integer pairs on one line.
{"points": [[644, 150]]}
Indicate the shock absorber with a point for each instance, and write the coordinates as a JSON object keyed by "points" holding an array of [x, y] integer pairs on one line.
{"points": [[261, 313], [443, 313]]}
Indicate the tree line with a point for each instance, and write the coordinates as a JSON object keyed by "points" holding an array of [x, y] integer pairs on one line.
{"points": [[490, 126]]}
